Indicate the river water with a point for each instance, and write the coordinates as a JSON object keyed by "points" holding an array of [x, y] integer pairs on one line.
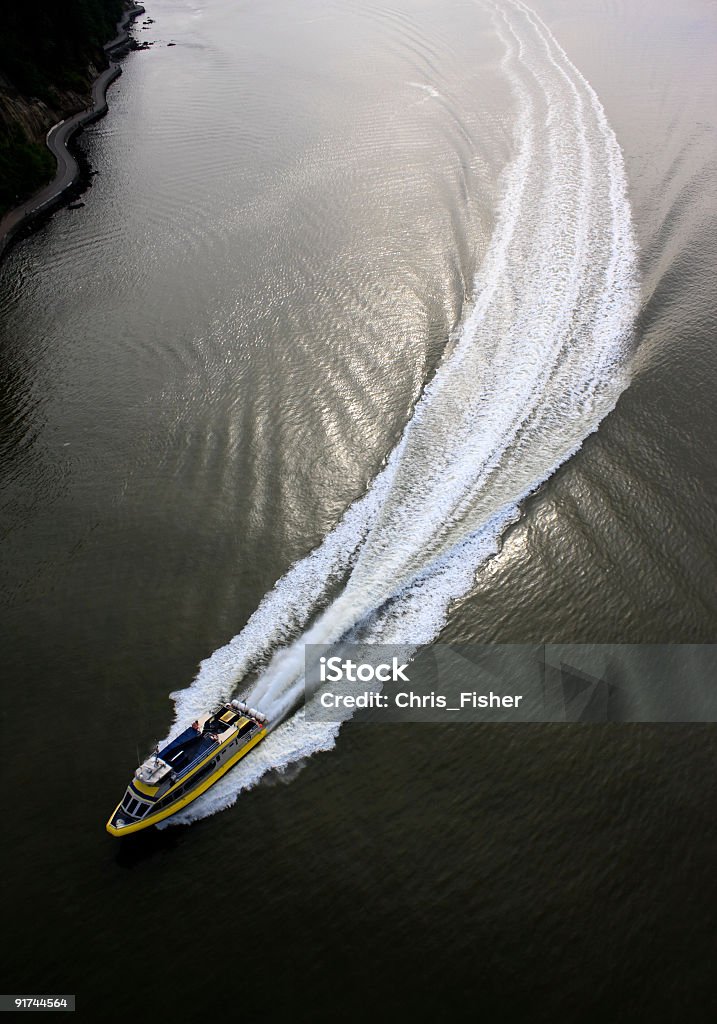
{"points": [[353, 281]]}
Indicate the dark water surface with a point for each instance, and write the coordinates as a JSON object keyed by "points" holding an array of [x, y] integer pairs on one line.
{"points": [[201, 370]]}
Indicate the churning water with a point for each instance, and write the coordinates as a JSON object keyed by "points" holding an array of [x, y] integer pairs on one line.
{"points": [[539, 358]]}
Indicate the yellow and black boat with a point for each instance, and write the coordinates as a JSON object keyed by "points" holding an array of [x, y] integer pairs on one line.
{"points": [[186, 767]]}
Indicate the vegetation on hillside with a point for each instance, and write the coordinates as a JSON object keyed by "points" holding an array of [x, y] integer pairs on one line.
{"points": [[24, 167], [46, 47], [46, 43]]}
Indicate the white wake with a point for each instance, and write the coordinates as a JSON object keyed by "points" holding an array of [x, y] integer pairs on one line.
{"points": [[539, 359]]}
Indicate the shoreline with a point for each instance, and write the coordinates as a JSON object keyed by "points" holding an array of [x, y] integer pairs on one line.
{"points": [[69, 171]]}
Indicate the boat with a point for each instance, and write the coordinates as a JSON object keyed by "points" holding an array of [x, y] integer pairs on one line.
{"points": [[173, 776]]}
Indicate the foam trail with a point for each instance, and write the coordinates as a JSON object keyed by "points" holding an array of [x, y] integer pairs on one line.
{"points": [[538, 361]]}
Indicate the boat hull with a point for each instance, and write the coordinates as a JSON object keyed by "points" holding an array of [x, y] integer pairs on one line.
{"points": [[222, 767]]}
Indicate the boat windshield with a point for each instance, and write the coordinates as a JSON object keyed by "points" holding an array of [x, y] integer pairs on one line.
{"points": [[133, 807]]}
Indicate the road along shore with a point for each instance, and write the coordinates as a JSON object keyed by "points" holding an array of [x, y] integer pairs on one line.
{"points": [[68, 173]]}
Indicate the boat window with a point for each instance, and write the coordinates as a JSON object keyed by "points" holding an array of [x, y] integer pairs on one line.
{"points": [[191, 784], [171, 798], [247, 727], [137, 808]]}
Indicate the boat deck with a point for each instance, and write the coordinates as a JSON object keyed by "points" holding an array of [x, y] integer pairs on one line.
{"points": [[188, 748]]}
